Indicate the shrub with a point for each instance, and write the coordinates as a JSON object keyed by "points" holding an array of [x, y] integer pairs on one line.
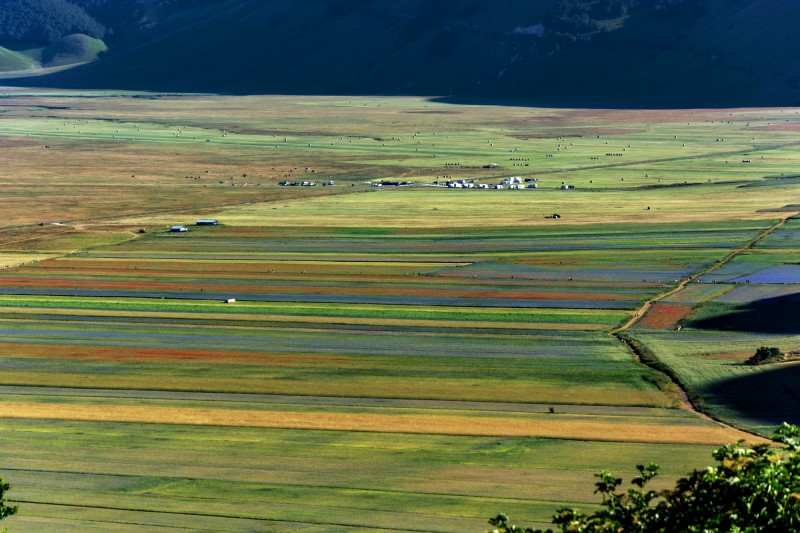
{"points": [[764, 355]]}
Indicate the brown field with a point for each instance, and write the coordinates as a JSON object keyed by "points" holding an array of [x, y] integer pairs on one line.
{"points": [[735, 357]]}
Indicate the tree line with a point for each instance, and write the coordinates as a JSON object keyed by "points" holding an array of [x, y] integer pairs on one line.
{"points": [[42, 22]]}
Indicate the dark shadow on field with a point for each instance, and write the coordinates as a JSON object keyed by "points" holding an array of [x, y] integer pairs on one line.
{"points": [[770, 315], [766, 397], [84, 77]]}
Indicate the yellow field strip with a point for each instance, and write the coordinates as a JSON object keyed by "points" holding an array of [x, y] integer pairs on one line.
{"points": [[11, 259], [417, 424], [365, 321]]}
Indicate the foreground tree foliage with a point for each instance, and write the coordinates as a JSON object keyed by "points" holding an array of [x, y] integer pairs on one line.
{"points": [[752, 489], [5, 509]]}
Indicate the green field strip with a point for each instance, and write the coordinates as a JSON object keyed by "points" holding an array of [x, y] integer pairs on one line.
{"points": [[255, 336], [431, 260], [353, 260], [465, 480], [50, 518], [534, 279], [462, 499], [486, 235], [697, 293], [248, 335], [89, 318], [350, 242], [346, 450], [412, 459], [768, 257], [552, 392], [11, 304], [315, 514]]}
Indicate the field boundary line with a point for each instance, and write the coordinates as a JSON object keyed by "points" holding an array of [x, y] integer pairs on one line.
{"points": [[206, 515]]}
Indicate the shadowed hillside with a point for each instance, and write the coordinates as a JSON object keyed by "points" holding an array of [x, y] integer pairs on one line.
{"points": [[746, 395], [770, 315], [559, 52]]}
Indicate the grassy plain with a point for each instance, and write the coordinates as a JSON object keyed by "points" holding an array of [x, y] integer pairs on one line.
{"points": [[425, 356]]}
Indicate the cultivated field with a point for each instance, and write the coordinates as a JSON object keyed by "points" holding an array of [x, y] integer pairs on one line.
{"points": [[412, 358], [748, 302]]}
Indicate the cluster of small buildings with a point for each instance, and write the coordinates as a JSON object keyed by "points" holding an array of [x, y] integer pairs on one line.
{"points": [[303, 183], [384, 183], [513, 183], [461, 184], [199, 222]]}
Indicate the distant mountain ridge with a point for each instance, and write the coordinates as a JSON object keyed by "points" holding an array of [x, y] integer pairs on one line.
{"points": [[561, 52]]}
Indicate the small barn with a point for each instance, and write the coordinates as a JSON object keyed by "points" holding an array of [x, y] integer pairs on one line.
{"points": [[178, 229]]}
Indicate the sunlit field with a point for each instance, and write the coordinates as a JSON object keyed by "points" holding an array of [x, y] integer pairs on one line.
{"points": [[345, 356]]}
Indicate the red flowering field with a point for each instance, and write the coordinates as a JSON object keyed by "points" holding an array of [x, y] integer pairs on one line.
{"points": [[664, 315]]}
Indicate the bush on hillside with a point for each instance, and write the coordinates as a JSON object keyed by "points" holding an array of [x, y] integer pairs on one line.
{"points": [[751, 489], [764, 355]]}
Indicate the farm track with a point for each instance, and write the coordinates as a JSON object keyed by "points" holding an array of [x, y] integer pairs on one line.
{"points": [[617, 333]]}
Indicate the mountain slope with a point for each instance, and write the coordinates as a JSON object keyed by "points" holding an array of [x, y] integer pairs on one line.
{"points": [[565, 52]]}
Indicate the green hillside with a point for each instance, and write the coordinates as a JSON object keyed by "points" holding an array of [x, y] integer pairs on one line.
{"points": [[11, 60], [558, 52], [72, 49]]}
